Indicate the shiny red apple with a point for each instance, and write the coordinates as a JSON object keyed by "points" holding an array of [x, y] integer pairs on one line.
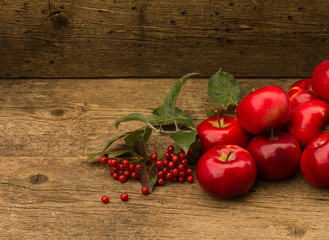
{"points": [[263, 108], [320, 80], [314, 162], [308, 120], [300, 92], [276, 155], [226, 171], [223, 130]]}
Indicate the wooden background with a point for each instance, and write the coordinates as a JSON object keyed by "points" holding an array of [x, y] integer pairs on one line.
{"points": [[68, 69]]}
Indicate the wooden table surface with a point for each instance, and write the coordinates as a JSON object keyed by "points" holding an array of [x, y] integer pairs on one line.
{"points": [[49, 191]]}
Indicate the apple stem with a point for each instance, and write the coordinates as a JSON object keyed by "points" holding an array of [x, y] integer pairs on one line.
{"points": [[272, 133], [228, 155], [326, 129], [218, 118]]}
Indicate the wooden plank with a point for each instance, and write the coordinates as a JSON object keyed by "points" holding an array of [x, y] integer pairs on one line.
{"points": [[75, 117], [120, 38]]}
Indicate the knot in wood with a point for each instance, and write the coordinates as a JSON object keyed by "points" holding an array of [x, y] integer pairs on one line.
{"points": [[57, 112], [38, 179], [58, 19]]}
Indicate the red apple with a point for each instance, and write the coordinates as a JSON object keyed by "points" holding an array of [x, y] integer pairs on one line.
{"points": [[314, 162], [226, 171], [262, 109], [223, 130], [276, 155], [308, 120], [320, 80], [300, 92]]}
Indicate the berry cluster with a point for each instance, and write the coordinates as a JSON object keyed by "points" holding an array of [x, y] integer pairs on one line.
{"points": [[122, 170], [174, 167]]}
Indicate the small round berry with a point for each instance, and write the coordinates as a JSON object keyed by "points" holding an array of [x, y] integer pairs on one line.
{"points": [[154, 157], [122, 178], [126, 173], [189, 171], [182, 150], [171, 149], [131, 167], [181, 167], [165, 162], [190, 152], [182, 156], [145, 190], [167, 155], [114, 169], [124, 197], [165, 170], [109, 163], [182, 174], [121, 167], [103, 159], [111, 172], [175, 158], [125, 163], [161, 174], [160, 181], [134, 175], [175, 172], [105, 199], [171, 165], [115, 176], [159, 164], [114, 162], [184, 162], [190, 179], [181, 179], [138, 167], [174, 179], [169, 175]]}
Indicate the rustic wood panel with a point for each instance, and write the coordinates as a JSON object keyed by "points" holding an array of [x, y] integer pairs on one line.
{"points": [[112, 38], [75, 117]]}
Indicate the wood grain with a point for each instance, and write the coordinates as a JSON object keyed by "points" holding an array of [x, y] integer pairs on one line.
{"points": [[48, 189], [141, 38]]}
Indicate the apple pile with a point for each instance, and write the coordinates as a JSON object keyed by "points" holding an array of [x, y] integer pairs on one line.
{"points": [[273, 134]]}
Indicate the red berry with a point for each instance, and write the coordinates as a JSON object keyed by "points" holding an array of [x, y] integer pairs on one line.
{"points": [[154, 157], [182, 150], [167, 155], [171, 149], [182, 174], [189, 171], [161, 174], [174, 179], [109, 163], [175, 158], [134, 175], [125, 163], [138, 167], [175, 172], [171, 165], [184, 162], [190, 152], [121, 167], [160, 181], [165, 162], [122, 178], [114, 169], [182, 156], [111, 172], [145, 190], [114, 162], [103, 159], [165, 170], [159, 164], [131, 167], [181, 179], [169, 175], [124, 197], [105, 199], [190, 179], [115, 176], [126, 173], [181, 167]]}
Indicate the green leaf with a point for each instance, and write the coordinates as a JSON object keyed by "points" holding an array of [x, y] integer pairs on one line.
{"points": [[131, 117], [118, 152], [184, 139], [147, 134], [132, 137], [91, 157], [148, 177], [169, 104], [160, 117], [109, 142], [224, 89]]}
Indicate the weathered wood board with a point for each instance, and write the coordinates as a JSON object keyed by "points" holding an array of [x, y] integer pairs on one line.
{"points": [[48, 189], [141, 38]]}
